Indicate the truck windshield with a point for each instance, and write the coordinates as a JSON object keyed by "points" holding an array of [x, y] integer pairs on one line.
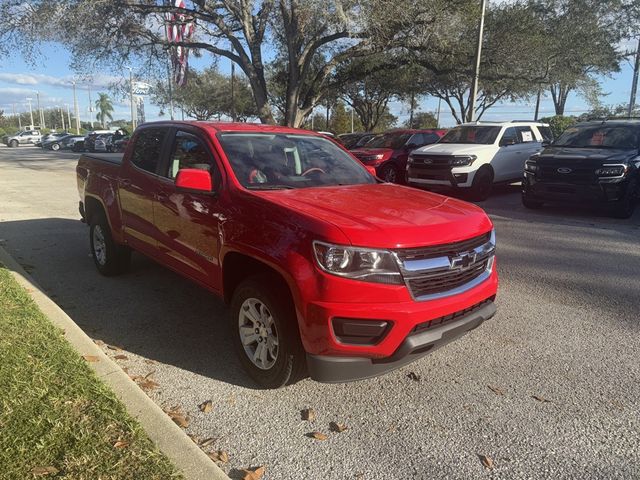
{"points": [[388, 140], [475, 135], [624, 137], [264, 161]]}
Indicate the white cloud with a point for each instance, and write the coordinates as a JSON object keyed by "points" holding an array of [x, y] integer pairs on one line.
{"points": [[38, 79]]}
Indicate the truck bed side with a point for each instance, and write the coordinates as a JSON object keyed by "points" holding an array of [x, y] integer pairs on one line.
{"points": [[98, 177]]}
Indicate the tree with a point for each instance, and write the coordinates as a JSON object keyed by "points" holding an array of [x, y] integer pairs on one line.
{"points": [[207, 95], [422, 120], [104, 107], [558, 124], [583, 36]]}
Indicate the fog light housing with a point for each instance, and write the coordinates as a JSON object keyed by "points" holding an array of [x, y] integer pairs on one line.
{"points": [[357, 331], [460, 177]]}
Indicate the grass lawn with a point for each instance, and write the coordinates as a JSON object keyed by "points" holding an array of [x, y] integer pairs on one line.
{"points": [[57, 419]]}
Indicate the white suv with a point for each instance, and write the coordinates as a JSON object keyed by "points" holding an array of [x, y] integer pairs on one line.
{"points": [[474, 156]]}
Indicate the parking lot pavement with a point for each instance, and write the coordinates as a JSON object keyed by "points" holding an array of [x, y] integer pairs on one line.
{"points": [[549, 388]]}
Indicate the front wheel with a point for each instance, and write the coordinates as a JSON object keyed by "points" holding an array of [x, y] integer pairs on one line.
{"points": [[109, 257], [482, 184], [625, 207], [13, 143], [265, 332], [55, 147], [390, 174]]}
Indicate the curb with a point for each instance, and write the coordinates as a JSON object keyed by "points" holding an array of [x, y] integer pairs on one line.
{"points": [[192, 462]]}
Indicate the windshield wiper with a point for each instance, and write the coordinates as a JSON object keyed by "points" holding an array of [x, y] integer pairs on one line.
{"points": [[270, 187]]}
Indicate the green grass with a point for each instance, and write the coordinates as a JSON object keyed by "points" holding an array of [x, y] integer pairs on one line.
{"points": [[55, 412]]}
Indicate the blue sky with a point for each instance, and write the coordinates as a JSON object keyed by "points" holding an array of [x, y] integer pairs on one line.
{"points": [[52, 77]]}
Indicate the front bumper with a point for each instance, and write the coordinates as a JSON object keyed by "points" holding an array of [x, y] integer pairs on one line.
{"points": [[331, 369], [601, 192], [440, 177]]}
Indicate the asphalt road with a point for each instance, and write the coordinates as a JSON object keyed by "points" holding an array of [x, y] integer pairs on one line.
{"points": [[549, 388]]}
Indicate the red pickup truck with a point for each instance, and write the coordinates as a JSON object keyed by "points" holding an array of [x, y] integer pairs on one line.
{"points": [[327, 270]]}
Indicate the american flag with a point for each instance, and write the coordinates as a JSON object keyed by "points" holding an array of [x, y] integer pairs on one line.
{"points": [[179, 29]]}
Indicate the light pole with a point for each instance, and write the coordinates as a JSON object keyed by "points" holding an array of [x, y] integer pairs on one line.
{"points": [[438, 114], [30, 111], [634, 85], [68, 116], [62, 117], [476, 75], [40, 112], [133, 107], [76, 112], [90, 108]]}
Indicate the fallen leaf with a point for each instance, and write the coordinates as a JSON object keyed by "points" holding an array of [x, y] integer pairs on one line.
{"points": [[121, 444], [121, 357], [308, 414], [256, 474], [150, 362], [206, 442], [98, 342], [91, 358], [337, 427], [41, 471], [495, 390], [113, 347], [317, 435], [147, 384], [413, 376], [487, 462], [206, 407], [219, 456], [178, 417], [194, 438], [540, 399]]}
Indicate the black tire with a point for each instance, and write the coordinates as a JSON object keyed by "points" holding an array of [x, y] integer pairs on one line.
{"points": [[531, 204], [110, 258], [625, 207], [482, 184], [289, 364], [55, 147], [14, 143], [390, 174]]}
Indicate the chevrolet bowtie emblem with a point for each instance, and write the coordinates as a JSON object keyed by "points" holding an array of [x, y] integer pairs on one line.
{"points": [[462, 261]]}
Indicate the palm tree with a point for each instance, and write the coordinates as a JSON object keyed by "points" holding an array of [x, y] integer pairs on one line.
{"points": [[104, 107]]}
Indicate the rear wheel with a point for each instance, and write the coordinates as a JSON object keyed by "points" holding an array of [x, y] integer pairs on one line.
{"points": [[390, 174], [625, 207], [265, 332], [482, 184], [55, 147], [109, 257], [13, 143]]}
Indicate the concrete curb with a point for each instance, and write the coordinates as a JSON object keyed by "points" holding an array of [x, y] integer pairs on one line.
{"points": [[170, 439]]}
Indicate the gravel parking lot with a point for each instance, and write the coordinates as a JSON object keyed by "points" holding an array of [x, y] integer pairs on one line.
{"points": [[549, 388]]}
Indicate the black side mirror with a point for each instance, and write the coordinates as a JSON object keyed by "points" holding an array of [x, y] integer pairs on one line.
{"points": [[546, 143]]}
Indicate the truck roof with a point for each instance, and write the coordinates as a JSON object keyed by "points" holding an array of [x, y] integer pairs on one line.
{"points": [[235, 126]]}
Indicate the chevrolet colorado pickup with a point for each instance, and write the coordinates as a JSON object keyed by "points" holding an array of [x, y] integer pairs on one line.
{"points": [[592, 163], [327, 270]]}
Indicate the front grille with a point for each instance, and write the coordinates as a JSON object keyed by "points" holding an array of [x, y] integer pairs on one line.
{"points": [[437, 161], [444, 281], [578, 176], [445, 250], [436, 322]]}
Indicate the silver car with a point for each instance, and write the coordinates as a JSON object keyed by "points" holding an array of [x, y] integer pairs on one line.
{"points": [[26, 137]]}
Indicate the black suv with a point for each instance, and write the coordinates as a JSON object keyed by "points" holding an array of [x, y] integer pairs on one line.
{"points": [[595, 162]]}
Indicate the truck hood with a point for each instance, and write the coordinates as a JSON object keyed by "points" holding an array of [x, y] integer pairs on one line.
{"points": [[455, 149], [585, 156], [365, 153], [386, 215]]}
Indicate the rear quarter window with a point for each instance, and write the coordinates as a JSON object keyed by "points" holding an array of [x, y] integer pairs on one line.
{"points": [[147, 148]]}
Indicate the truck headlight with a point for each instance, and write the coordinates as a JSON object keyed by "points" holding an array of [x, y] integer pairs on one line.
{"points": [[463, 161], [611, 171], [367, 265]]}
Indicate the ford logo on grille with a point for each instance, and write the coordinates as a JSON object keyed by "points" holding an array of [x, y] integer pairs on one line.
{"points": [[564, 170], [462, 261]]}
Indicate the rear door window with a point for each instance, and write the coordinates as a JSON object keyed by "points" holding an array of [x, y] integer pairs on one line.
{"points": [[525, 135], [147, 149]]}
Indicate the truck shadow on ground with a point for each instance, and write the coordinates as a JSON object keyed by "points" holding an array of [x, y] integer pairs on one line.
{"points": [[150, 311]]}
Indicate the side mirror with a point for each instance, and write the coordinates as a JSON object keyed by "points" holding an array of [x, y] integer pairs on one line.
{"points": [[193, 180]]}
